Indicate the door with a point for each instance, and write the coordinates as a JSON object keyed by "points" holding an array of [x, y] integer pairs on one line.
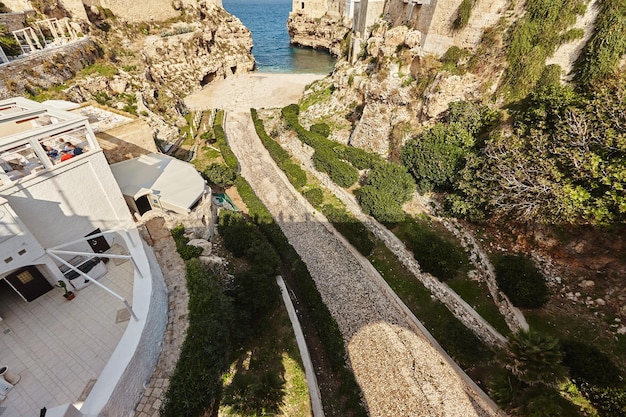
{"points": [[29, 283], [98, 244]]}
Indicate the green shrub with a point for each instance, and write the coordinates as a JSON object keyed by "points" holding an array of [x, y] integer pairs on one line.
{"points": [[227, 154], [436, 156], [324, 158], [195, 386], [535, 358], [358, 157], [521, 281], [315, 196], [380, 204], [393, 179], [588, 364], [185, 251], [608, 401], [321, 129], [342, 173], [219, 174]]}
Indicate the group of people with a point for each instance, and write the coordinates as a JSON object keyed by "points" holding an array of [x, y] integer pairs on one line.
{"points": [[68, 151]]}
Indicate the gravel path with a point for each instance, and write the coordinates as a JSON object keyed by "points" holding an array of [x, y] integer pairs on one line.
{"points": [[398, 369]]}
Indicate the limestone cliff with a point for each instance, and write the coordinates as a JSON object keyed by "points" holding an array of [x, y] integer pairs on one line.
{"points": [[392, 90], [215, 47], [327, 32]]}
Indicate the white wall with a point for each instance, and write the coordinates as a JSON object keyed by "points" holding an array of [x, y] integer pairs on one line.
{"points": [[68, 202]]}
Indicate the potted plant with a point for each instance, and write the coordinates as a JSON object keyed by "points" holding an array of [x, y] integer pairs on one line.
{"points": [[69, 295]]}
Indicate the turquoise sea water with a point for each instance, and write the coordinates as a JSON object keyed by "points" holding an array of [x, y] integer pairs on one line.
{"points": [[267, 19]]}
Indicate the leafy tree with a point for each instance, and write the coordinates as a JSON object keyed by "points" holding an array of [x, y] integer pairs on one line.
{"points": [[436, 156], [394, 179], [219, 174]]}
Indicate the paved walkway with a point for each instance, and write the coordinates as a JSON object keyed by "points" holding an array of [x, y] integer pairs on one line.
{"points": [[173, 269]]}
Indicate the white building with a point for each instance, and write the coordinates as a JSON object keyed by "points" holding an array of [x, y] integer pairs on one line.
{"points": [[57, 215]]}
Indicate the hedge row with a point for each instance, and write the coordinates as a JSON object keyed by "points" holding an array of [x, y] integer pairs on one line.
{"points": [[324, 158], [282, 158], [196, 385], [348, 226]]}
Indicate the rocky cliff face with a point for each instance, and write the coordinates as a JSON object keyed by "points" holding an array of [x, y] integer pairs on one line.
{"points": [[391, 91], [42, 71], [328, 32], [215, 47]]}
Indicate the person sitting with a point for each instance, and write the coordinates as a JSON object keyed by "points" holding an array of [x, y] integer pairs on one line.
{"points": [[65, 155], [73, 149], [51, 152]]}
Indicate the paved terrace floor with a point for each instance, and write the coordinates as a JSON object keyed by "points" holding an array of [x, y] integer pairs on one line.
{"points": [[60, 347]]}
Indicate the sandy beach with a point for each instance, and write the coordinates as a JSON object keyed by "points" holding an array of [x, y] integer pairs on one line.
{"points": [[258, 90]]}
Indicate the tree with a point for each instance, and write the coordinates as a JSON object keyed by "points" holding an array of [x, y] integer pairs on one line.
{"points": [[436, 156]]}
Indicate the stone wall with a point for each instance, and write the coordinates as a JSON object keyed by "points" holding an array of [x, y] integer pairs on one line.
{"points": [[45, 69], [15, 21]]}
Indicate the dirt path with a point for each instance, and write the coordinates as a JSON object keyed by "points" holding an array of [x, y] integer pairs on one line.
{"points": [[399, 371]]}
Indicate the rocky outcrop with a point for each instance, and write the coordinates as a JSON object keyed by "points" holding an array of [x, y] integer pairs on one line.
{"points": [[46, 69], [215, 47], [391, 91], [328, 32]]}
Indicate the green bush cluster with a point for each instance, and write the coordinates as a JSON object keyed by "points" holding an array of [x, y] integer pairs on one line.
{"points": [[603, 52], [324, 158], [521, 281], [295, 174], [315, 196], [186, 251], [387, 186], [195, 386], [596, 376], [436, 156], [438, 255], [219, 174]]}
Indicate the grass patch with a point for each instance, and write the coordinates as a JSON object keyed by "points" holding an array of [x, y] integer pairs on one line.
{"points": [[434, 248], [477, 295], [320, 93], [98, 69]]}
